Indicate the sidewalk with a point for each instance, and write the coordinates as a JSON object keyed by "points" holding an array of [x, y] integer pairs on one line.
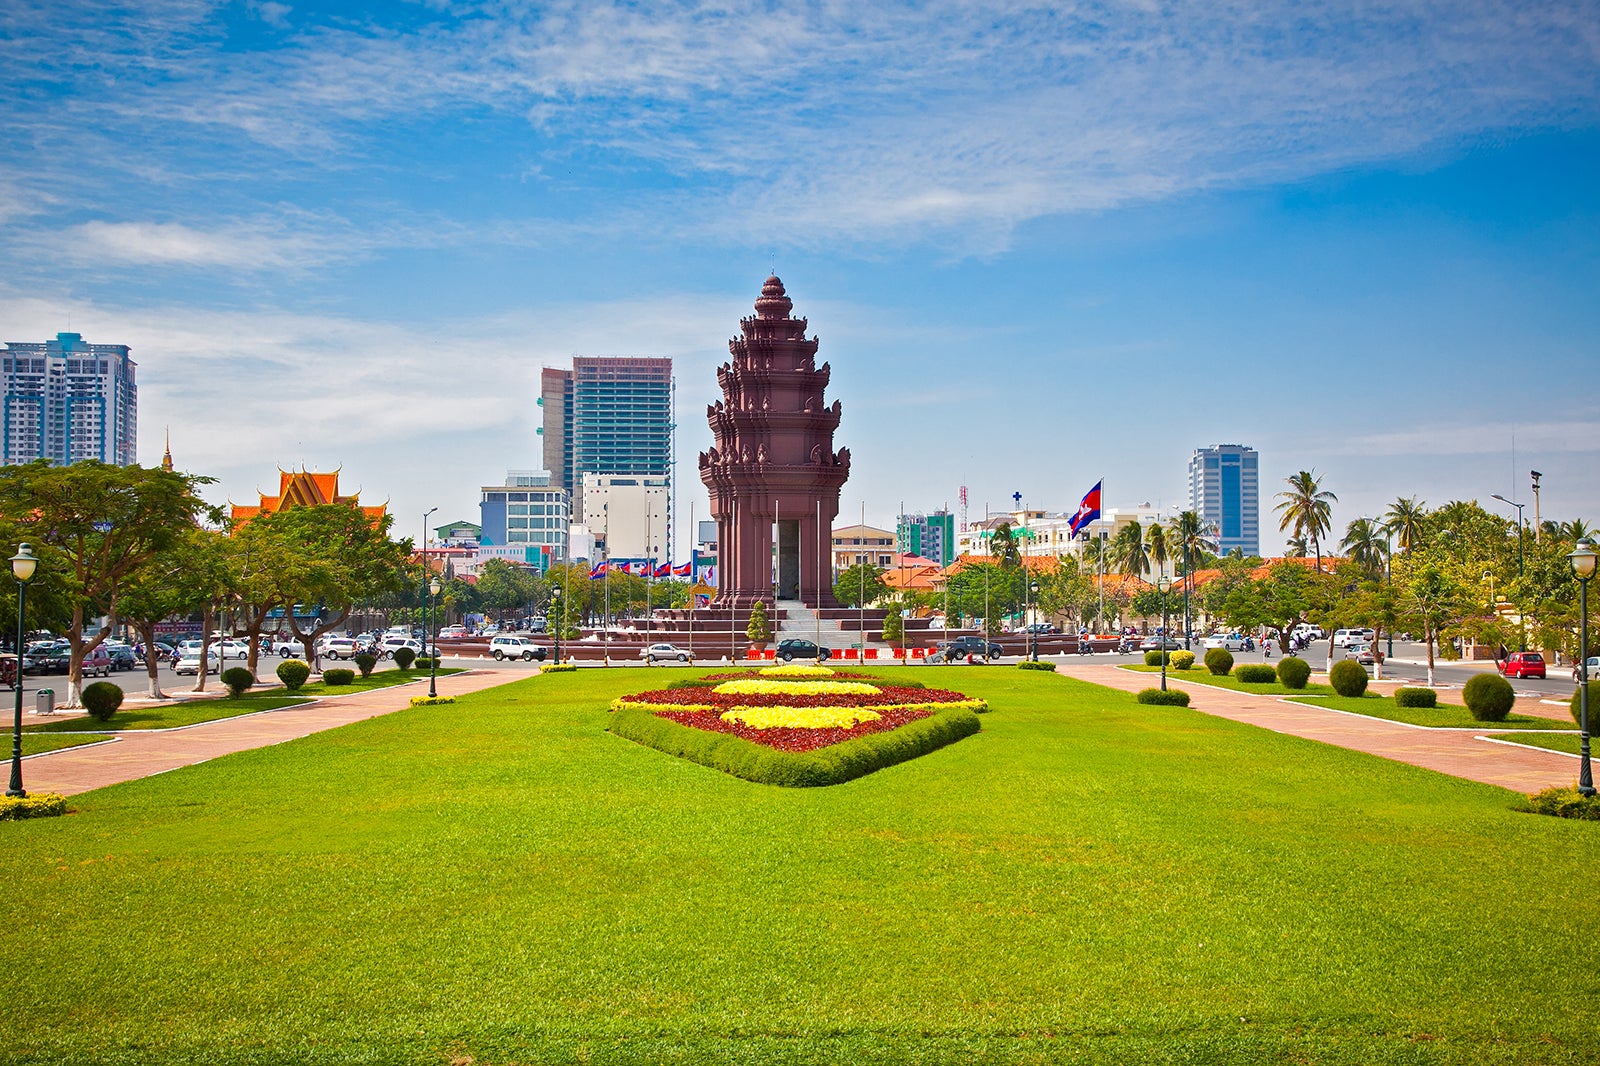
{"points": [[1456, 752], [140, 753]]}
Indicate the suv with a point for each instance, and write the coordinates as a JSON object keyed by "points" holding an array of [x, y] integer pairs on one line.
{"points": [[801, 649], [962, 647], [1523, 664], [509, 647], [338, 648]]}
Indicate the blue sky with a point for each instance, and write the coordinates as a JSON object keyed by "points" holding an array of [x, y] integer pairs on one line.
{"points": [[1039, 243]]}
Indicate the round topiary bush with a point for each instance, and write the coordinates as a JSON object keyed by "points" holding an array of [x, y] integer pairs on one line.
{"points": [[1348, 678], [238, 680], [1415, 697], [1153, 658], [1488, 697], [338, 676], [1171, 697], [101, 700], [293, 673], [1182, 660], [424, 662], [404, 657], [1256, 674], [1219, 661], [1294, 672], [1594, 707], [365, 662]]}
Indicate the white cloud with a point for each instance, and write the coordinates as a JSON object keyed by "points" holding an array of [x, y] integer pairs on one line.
{"points": [[1555, 436]]}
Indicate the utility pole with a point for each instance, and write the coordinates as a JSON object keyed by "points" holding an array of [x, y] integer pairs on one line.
{"points": [[1537, 535]]}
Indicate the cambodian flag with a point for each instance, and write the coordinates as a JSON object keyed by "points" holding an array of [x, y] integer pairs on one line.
{"points": [[599, 571], [623, 568], [683, 570], [1089, 509], [664, 570]]}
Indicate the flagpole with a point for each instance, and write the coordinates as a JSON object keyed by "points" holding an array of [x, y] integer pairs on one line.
{"points": [[694, 540], [605, 584], [649, 578]]}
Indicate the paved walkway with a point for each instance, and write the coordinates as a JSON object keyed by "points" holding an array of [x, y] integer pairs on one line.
{"points": [[1449, 751], [140, 753]]}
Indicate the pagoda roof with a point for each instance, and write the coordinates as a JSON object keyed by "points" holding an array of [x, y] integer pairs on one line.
{"points": [[305, 488]]}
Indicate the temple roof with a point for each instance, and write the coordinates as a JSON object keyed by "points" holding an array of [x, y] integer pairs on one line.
{"points": [[303, 488], [773, 303]]}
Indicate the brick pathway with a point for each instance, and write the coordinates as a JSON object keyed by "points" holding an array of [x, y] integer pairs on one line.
{"points": [[1456, 752], [140, 753]]}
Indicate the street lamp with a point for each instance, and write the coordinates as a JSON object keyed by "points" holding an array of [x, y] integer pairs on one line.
{"points": [[556, 601], [1033, 630], [1523, 642], [1583, 559], [433, 632], [1163, 583], [23, 565]]}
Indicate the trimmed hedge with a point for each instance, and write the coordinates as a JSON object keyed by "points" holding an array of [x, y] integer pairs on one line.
{"points": [[1153, 658], [1029, 664], [1172, 697], [424, 662], [404, 657], [293, 673], [1348, 678], [1219, 661], [101, 700], [1294, 672], [1488, 697], [239, 680], [1415, 697], [1182, 660], [1255, 673], [365, 661], [431, 701], [38, 805], [338, 676], [1594, 704], [558, 668], [826, 766], [1565, 803]]}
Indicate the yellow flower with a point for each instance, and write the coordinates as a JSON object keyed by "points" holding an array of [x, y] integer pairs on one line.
{"points": [[800, 717], [763, 687], [796, 670]]}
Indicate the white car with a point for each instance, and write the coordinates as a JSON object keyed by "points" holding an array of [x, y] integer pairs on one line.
{"points": [[509, 647], [338, 648], [1229, 642], [1593, 666], [190, 662], [287, 648], [1343, 638], [235, 648], [656, 652]]}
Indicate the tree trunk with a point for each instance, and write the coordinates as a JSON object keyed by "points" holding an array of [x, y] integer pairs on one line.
{"points": [[1429, 634], [308, 640], [152, 661], [206, 634], [1377, 656]]}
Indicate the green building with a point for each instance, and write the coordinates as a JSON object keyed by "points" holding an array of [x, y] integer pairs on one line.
{"points": [[932, 536], [607, 415]]}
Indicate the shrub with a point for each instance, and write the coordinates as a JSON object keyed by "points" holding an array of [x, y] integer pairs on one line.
{"points": [[293, 673], [758, 630], [38, 805], [238, 679], [1294, 672], [1415, 697], [1029, 664], [101, 700], [1172, 697], [1565, 803], [365, 662], [1182, 660], [894, 627], [1256, 674], [1219, 661], [338, 676], [1348, 678], [404, 657], [825, 766], [1594, 707], [424, 662], [1488, 697], [1153, 658], [558, 668], [431, 701]]}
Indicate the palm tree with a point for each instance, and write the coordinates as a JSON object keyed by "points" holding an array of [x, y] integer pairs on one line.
{"points": [[1575, 530], [1190, 535], [1404, 521], [1127, 551], [1306, 508], [1155, 542], [1365, 543], [1297, 548]]}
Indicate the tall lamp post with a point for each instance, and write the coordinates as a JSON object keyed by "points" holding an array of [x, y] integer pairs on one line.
{"points": [[1583, 559], [425, 516], [433, 634], [23, 565], [557, 601], [1521, 622], [1033, 632], [1163, 583]]}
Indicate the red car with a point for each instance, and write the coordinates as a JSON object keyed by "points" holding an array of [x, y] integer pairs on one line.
{"points": [[1523, 664]]}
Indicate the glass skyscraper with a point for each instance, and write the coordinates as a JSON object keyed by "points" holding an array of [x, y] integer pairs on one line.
{"points": [[1225, 490], [68, 401], [607, 415]]}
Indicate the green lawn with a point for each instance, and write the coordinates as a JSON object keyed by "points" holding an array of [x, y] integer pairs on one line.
{"points": [[1567, 742], [1086, 880], [38, 744]]}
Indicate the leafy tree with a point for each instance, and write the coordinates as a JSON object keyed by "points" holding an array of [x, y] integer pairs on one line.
{"points": [[985, 590], [344, 556], [860, 585], [1429, 599], [1307, 509], [504, 587], [1003, 546]]}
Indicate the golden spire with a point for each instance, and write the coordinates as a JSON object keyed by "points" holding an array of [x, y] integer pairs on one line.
{"points": [[166, 457]]}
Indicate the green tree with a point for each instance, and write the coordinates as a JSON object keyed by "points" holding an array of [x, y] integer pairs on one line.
{"points": [[1128, 554], [504, 588], [344, 556], [1366, 546], [1003, 546], [1405, 520], [759, 628], [860, 585], [1429, 599], [1307, 509]]}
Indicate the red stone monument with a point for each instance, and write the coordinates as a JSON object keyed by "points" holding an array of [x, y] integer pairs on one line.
{"points": [[772, 470]]}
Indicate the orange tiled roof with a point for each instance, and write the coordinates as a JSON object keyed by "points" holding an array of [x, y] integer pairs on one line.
{"points": [[303, 488]]}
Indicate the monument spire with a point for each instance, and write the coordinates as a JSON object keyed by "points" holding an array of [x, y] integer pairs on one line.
{"points": [[166, 456]]}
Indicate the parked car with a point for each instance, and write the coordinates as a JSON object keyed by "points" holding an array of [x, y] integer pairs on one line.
{"points": [[1040, 627], [1523, 664], [1160, 644], [235, 648], [338, 648], [1361, 653], [800, 649], [658, 652], [97, 663], [190, 662], [47, 657], [287, 648], [510, 647], [1228, 642], [122, 656], [453, 632], [962, 647], [1593, 666]]}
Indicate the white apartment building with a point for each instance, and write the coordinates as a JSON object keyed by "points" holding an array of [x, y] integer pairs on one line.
{"points": [[68, 401]]}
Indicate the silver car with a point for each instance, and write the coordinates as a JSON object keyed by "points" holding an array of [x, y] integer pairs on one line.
{"points": [[659, 652]]}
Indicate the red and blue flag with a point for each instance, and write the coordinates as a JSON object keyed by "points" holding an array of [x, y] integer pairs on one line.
{"points": [[1088, 510]]}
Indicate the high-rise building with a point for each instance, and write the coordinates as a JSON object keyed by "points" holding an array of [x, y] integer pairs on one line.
{"points": [[628, 515], [607, 415], [932, 536], [67, 401], [527, 512], [1225, 490]]}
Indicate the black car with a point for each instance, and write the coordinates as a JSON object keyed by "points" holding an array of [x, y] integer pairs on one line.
{"points": [[962, 647], [122, 657], [47, 658], [801, 649]]}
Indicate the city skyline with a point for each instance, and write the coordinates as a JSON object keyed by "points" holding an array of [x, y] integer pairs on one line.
{"points": [[1038, 248]]}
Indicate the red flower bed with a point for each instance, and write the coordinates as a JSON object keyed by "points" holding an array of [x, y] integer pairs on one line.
{"points": [[887, 694], [798, 740]]}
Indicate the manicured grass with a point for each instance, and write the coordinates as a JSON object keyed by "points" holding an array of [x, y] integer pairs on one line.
{"points": [[1444, 716], [1567, 742], [1199, 675], [38, 744], [167, 716], [1085, 880]]}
